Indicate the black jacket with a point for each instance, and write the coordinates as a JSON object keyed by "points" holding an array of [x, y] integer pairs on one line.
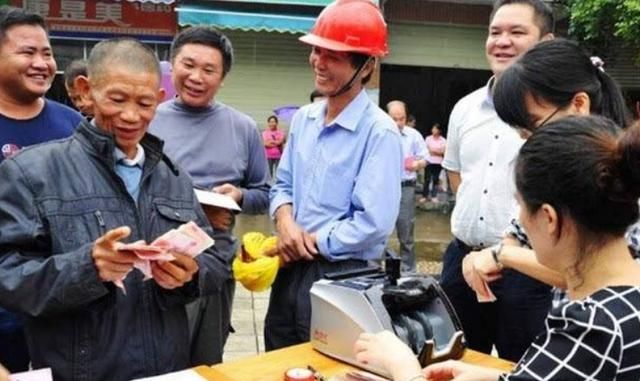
{"points": [[56, 199]]}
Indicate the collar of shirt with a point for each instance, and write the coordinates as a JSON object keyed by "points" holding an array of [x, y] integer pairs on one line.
{"points": [[138, 160], [488, 100], [350, 116]]}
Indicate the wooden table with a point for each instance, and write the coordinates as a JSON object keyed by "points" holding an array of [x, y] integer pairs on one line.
{"points": [[271, 366]]}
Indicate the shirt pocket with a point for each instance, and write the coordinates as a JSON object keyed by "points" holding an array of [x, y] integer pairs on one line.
{"points": [[336, 189], [75, 222], [169, 214]]}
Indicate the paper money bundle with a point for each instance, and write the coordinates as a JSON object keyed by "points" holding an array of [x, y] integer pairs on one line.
{"points": [[188, 239]]}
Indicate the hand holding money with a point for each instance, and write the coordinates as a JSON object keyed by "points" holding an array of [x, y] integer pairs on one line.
{"points": [[176, 273], [170, 258], [112, 264]]}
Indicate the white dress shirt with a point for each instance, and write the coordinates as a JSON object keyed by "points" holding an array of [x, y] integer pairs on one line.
{"points": [[483, 150]]}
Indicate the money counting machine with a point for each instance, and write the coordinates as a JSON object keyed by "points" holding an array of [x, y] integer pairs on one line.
{"points": [[343, 305]]}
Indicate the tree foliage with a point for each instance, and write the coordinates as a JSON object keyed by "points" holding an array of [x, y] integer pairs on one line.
{"points": [[597, 24]]}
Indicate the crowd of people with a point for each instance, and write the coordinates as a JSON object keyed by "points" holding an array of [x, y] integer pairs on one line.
{"points": [[543, 160]]}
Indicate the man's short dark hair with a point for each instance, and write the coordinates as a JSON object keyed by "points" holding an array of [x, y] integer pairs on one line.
{"points": [[207, 36], [542, 13], [74, 69], [131, 53], [358, 60], [12, 16]]}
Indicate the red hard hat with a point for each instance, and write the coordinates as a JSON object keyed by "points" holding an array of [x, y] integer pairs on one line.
{"points": [[350, 26]]}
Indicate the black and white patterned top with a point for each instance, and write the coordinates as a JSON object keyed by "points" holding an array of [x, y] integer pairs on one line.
{"points": [[593, 339]]}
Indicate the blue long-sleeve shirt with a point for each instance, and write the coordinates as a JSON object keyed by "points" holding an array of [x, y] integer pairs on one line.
{"points": [[343, 179]]}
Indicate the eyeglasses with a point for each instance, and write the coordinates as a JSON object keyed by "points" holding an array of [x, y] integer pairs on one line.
{"points": [[548, 118]]}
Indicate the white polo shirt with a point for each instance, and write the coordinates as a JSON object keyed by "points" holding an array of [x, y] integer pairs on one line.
{"points": [[483, 150]]}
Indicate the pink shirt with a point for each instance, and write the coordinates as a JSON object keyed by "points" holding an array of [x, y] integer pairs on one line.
{"points": [[436, 145], [271, 135]]}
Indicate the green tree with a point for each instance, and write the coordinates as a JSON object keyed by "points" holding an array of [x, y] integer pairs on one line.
{"points": [[598, 24]]}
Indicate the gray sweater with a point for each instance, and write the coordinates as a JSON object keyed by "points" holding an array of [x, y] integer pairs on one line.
{"points": [[215, 145]]}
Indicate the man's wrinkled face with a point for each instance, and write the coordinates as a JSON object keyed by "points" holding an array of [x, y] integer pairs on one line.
{"points": [[124, 103], [197, 74], [332, 69], [27, 67], [399, 115]]}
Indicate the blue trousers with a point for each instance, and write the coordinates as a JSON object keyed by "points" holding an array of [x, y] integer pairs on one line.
{"points": [[512, 322]]}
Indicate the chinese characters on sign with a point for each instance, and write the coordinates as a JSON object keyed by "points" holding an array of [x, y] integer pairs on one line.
{"points": [[105, 17]]}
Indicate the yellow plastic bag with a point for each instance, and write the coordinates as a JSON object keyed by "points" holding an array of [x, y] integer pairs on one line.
{"points": [[252, 267]]}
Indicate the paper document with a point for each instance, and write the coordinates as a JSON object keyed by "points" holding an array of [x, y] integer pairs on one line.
{"points": [[183, 375], [34, 375], [217, 199]]}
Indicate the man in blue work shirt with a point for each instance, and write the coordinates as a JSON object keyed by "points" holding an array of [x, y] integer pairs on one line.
{"points": [[337, 191]]}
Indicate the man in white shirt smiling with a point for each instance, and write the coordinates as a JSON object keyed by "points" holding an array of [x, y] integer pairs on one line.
{"points": [[479, 156]]}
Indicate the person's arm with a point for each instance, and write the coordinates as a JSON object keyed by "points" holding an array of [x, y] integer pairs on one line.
{"points": [[451, 160], [294, 243], [515, 254], [420, 153], [518, 258], [454, 180], [440, 151], [375, 201], [458, 371], [33, 280], [385, 350], [282, 190]]}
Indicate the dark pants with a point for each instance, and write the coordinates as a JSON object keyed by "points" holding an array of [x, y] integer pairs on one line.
{"points": [[431, 176], [273, 166], [512, 322], [289, 314], [14, 354], [210, 320], [405, 227], [210, 325]]}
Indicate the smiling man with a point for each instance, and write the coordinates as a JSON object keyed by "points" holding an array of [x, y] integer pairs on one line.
{"points": [[337, 191], [221, 149], [480, 153], [26, 118], [66, 207], [28, 68]]}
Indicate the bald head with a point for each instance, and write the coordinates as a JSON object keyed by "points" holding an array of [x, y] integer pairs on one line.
{"points": [[122, 52], [398, 112]]}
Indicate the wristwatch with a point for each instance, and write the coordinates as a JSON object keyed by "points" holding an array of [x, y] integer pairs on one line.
{"points": [[495, 253]]}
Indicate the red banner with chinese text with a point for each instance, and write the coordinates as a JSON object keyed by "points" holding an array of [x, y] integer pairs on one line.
{"points": [[105, 18]]}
